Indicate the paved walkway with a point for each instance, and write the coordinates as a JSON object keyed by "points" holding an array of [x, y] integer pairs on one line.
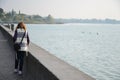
{"points": [[7, 60]]}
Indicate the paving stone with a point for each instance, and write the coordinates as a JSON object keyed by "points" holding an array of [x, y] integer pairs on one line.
{"points": [[7, 60]]}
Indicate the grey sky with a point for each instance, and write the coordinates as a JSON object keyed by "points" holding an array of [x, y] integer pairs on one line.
{"points": [[99, 9]]}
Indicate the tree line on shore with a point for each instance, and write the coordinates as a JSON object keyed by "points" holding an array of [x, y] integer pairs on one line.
{"points": [[15, 17], [94, 21]]}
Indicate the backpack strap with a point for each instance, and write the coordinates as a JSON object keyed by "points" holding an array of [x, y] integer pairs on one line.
{"points": [[22, 38]]}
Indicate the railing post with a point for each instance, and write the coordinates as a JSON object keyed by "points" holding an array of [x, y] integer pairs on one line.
{"points": [[12, 27]]}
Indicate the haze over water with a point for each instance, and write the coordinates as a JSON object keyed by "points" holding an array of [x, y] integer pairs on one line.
{"points": [[84, 9], [92, 48]]}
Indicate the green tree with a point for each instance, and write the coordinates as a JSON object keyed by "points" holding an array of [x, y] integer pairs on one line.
{"points": [[2, 14], [8, 16], [49, 19]]}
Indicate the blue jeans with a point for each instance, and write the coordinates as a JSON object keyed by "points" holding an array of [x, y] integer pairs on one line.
{"points": [[19, 59]]}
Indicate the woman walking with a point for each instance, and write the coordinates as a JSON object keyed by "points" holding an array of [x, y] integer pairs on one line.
{"points": [[20, 37]]}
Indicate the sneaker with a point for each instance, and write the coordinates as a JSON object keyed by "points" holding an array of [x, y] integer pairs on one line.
{"points": [[20, 72], [15, 70]]}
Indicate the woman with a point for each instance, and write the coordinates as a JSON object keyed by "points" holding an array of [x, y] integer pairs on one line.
{"points": [[20, 33]]}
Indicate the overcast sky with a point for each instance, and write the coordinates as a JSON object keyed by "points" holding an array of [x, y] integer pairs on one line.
{"points": [[99, 9]]}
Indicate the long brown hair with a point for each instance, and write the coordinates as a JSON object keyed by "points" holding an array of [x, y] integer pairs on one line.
{"points": [[21, 25]]}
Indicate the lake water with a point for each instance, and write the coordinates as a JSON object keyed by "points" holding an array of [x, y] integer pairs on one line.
{"points": [[92, 48]]}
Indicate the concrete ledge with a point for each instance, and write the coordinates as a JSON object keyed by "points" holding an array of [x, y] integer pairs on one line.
{"points": [[41, 65]]}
